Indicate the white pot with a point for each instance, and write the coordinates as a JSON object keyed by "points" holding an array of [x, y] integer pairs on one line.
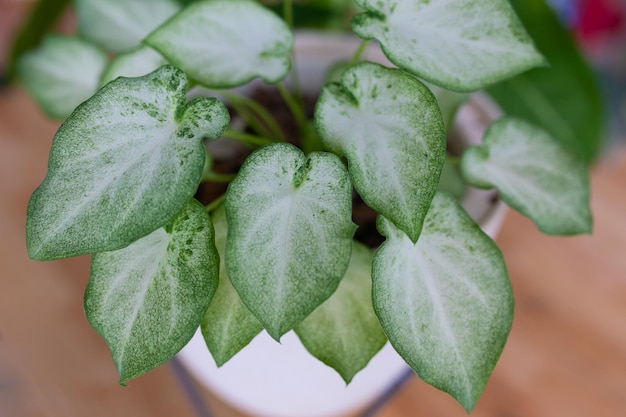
{"points": [[268, 379]]}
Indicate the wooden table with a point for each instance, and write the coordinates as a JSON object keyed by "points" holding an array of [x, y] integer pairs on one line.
{"points": [[566, 355]]}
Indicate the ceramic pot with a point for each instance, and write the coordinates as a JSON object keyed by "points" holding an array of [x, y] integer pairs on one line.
{"points": [[268, 379]]}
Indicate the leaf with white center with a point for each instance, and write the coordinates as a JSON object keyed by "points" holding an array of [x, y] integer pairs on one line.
{"points": [[463, 45], [445, 303], [147, 299], [344, 332], [534, 174], [226, 43], [289, 233], [389, 127], [121, 25], [122, 165], [228, 326], [135, 63], [62, 73]]}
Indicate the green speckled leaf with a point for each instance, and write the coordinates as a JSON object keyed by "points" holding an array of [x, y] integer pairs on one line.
{"points": [[62, 73], [147, 300], [445, 303], [463, 45], [135, 63], [289, 233], [344, 331], [534, 174], [228, 326], [121, 25], [122, 165], [225, 43], [389, 127]]}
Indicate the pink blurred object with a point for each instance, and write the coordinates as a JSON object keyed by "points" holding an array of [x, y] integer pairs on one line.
{"points": [[601, 30]]}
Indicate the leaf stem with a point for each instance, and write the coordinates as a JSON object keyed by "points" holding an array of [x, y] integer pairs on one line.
{"points": [[358, 53], [253, 140], [271, 128], [288, 12], [294, 106], [453, 160], [215, 203], [216, 177]]}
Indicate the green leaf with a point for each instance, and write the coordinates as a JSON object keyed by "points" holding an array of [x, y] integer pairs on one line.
{"points": [[445, 303], [225, 43], [534, 174], [62, 73], [460, 45], [290, 233], [228, 326], [148, 299], [120, 25], [122, 165], [135, 63], [389, 127], [344, 332], [564, 99]]}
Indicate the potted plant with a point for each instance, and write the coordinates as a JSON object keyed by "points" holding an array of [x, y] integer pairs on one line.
{"points": [[274, 250]]}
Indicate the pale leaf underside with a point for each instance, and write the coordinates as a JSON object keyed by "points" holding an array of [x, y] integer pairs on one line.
{"points": [[147, 299], [290, 233], [389, 127], [445, 303], [122, 165], [534, 174], [461, 45]]}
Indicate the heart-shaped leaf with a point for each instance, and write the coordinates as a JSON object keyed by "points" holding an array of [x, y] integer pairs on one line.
{"points": [[148, 299], [62, 73], [534, 174], [122, 165], [344, 332], [389, 127], [225, 43], [121, 25], [135, 63], [445, 303], [289, 233], [228, 326], [462, 45]]}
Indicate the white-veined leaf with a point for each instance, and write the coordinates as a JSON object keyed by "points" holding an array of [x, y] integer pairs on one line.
{"points": [[462, 45], [147, 299], [445, 303], [228, 326], [121, 25], [534, 174], [389, 127], [122, 165], [289, 233], [225, 43], [135, 63], [344, 331], [62, 73]]}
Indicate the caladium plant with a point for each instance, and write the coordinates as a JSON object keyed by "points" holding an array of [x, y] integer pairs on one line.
{"points": [[276, 251]]}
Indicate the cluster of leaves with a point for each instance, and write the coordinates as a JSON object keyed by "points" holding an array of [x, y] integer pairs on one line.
{"points": [[279, 254]]}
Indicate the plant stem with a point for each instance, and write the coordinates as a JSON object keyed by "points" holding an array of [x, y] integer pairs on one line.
{"points": [[272, 126], [288, 12], [294, 107], [215, 203], [358, 53], [253, 140], [453, 160], [215, 177]]}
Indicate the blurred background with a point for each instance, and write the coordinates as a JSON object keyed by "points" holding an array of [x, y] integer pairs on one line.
{"points": [[566, 355]]}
